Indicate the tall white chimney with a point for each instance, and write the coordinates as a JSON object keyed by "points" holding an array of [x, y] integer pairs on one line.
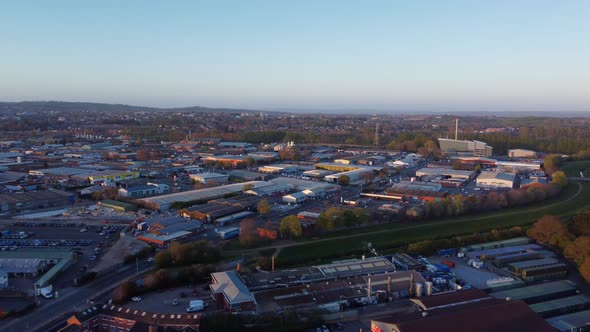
{"points": [[456, 127]]}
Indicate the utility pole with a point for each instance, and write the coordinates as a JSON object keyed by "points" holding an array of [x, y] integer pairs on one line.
{"points": [[35, 287]]}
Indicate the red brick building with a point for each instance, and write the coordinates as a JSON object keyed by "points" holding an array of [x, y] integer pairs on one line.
{"points": [[230, 293], [107, 317]]}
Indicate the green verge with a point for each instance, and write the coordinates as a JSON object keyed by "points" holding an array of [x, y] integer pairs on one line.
{"points": [[573, 168], [397, 235]]}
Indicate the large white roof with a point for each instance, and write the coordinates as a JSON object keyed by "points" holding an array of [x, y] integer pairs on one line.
{"points": [[203, 194]]}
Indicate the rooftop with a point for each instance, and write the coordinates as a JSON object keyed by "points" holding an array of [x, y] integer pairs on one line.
{"points": [[232, 287], [486, 316], [525, 293], [451, 298]]}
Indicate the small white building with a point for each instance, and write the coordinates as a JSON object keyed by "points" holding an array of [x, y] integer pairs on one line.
{"points": [[279, 168], [209, 176], [295, 198], [521, 153], [150, 189], [497, 180]]}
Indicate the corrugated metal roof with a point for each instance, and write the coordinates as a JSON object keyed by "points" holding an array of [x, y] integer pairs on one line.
{"points": [[203, 194], [570, 321], [524, 293], [565, 302]]}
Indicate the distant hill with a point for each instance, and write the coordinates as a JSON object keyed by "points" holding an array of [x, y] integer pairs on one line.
{"points": [[64, 106]]}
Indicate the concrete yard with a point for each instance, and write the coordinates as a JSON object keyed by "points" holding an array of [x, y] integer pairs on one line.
{"points": [[476, 277], [162, 300]]}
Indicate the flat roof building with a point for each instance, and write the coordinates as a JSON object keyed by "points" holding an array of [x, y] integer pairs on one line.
{"points": [[451, 147], [521, 153], [497, 180], [209, 177], [539, 293], [446, 172], [164, 202], [484, 315]]}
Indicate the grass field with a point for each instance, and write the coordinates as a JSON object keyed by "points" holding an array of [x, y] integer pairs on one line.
{"points": [[573, 168], [396, 235]]}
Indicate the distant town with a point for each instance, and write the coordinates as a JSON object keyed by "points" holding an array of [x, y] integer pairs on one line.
{"points": [[123, 218]]}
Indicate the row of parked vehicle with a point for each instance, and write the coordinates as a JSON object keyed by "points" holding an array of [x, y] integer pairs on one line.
{"points": [[6, 234], [45, 224], [43, 243]]}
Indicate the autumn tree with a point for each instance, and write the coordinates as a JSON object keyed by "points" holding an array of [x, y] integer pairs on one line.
{"points": [[124, 291], [178, 252], [559, 178], [552, 163], [163, 259], [578, 250], [344, 180], [327, 219], [263, 207], [585, 269], [249, 161], [549, 229], [425, 247], [248, 233], [290, 227], [581, 223]]}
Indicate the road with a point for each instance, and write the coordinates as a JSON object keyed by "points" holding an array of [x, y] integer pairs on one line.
{"points": [[451, 221], [75, 300]]}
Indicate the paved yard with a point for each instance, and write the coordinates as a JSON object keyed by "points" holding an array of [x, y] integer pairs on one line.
{"points": [[471, 275], [161, 301]]}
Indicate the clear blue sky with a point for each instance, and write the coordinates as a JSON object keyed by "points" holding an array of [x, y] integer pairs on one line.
{"points": [[439, 55]]}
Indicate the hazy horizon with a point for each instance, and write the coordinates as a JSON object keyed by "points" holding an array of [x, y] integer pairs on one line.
{"points": [[329, 56]]}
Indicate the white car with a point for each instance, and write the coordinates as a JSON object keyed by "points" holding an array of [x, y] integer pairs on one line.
{"points": [[151, 259], [83, 230], [175, 302], [136, 299]]}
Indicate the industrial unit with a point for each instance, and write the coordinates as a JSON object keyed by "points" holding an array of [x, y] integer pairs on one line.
{"points": [[164, 202], [539, 293], [454, 147], [497, 180]]}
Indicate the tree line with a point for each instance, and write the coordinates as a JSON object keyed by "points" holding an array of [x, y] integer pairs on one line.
{"points": [[460, 205], [570, 236]]}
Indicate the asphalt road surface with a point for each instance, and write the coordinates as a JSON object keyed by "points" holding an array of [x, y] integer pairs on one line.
{"points": [[74, 301]]}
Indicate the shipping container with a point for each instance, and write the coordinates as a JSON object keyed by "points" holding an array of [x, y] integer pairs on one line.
{"points": [[442, 268], [448, 263], [447, 252]]}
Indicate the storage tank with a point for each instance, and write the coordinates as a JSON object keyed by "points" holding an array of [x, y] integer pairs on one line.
{"points": [[418, 289], [428, 286]]}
